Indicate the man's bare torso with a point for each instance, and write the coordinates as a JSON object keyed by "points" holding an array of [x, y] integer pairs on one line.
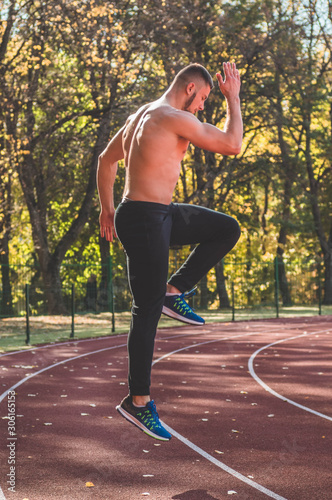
{"points": [[154, 140], [152, 153]]}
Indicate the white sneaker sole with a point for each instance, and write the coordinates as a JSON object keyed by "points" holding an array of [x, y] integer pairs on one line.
{"points": [[174, 315], [138, 424]]}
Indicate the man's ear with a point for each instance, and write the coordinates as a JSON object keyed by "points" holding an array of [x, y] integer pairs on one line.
{"points": [[190, 88]]}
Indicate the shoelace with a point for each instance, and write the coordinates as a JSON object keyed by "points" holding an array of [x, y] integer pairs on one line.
{"points": [[150, 416], [181, 304]]}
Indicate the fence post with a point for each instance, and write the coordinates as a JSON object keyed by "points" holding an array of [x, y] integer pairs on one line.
{"points": [[276, 281], [110, 289], [72, 333], [233, 302], [319, 292], [27, 314]]}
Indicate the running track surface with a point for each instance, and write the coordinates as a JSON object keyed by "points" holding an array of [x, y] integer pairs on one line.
{"points": [[249, 406]]}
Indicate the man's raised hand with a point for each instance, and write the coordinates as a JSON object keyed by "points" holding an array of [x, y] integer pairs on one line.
{"points": [[230, 86]]}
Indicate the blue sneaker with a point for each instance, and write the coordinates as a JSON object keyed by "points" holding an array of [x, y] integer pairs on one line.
{"points": [[145, 418], [176, 307]]}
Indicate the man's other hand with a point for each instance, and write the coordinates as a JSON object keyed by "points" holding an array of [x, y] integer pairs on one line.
{"points": [[107, 229]]}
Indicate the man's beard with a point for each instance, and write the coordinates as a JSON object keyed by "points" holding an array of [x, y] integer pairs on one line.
{"points": [[189, 101]]}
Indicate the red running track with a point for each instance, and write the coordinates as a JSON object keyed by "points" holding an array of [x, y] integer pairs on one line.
{"points": [[248, 403]]}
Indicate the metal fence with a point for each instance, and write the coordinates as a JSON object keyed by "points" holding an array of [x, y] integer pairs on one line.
{"points": [[263, 288]]}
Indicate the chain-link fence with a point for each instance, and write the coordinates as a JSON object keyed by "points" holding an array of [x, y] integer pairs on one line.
{"points": [[240, 290]]}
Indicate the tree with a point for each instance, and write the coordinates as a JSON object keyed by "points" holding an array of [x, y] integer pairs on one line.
{"points": [[314, 90], [8, 120], [94, 54]]}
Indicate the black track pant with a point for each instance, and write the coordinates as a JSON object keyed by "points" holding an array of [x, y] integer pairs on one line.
{"points": [[146, 231]]}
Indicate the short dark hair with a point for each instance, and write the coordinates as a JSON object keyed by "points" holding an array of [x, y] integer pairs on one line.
{"points": [[194, 70]]}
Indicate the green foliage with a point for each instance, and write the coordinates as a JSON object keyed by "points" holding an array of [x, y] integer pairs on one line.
{"points": [[71, 72]]}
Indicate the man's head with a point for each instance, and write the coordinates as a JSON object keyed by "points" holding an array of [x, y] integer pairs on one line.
{"points": [[194, 72], [196, 82]]}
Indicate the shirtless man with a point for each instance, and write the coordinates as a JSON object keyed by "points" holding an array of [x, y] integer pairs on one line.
{"points": [[153, 142]]}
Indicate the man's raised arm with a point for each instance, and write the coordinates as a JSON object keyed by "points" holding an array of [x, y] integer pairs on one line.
{"points": [[106, 173], [230, 87], [206, 136]]}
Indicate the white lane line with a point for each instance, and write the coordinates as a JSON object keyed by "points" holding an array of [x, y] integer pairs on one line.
{"points": [[74, 341], [268, 388], [179, 436], [77, 341], [223, 466], [110, 337], [3, 395], [46, 346], [49, 367], [204, 343], [203, 453], [20, 382], [67, 360]]}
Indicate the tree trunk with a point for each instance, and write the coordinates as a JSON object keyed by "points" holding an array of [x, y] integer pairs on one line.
{"points": [[50, 262], [203, 303], [325, 244], [327, 300], [288, 165], [283, 283], [221, 286], [53, 289], [6, 303]]}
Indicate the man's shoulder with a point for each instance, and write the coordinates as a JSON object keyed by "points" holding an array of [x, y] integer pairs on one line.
{"points": [[162, 110], [171, 116], [164, 116]]}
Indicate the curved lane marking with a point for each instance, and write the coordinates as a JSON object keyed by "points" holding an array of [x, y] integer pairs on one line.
{"points": [[176, 434], [49, 367], [46, 346], [53, 365], [203, 453], [210, 457], [268, 388], [96, 339], [223, 466]]}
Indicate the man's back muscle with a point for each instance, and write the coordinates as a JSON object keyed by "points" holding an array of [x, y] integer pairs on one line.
{"points": [[153, 152]]}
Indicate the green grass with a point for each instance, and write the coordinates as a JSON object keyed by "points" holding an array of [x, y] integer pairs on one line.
{"points": [[48, 329]]}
